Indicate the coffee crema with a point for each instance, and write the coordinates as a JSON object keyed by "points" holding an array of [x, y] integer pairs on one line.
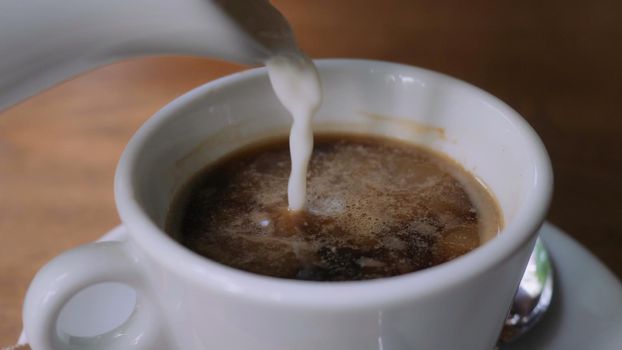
{"points": [[375, 207]]}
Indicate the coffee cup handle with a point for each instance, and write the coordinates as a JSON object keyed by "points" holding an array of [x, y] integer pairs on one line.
{"points": [[58, 281]]}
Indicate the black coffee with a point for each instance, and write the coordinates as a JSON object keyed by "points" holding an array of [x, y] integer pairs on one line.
{"points": [[375, 208]]}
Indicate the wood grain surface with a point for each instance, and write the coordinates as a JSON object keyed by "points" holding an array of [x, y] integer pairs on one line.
{"points": [[557, 63]]}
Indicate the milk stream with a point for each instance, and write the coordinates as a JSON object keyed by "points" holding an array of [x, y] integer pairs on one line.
{"points": [[296, 82]]}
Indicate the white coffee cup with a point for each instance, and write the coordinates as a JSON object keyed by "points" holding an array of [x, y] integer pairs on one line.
{"points": [[185, 301]]}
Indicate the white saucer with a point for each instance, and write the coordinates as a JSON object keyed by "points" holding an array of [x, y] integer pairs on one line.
{"points": [[586, 312]]}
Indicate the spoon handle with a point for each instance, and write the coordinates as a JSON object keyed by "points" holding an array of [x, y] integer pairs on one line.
{"points": [[532, 298]]}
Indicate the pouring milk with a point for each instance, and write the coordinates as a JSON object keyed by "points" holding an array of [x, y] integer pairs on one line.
{"points": [[246, 31], [296, 82]]}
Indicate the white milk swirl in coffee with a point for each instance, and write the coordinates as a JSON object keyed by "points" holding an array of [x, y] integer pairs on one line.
{"points": [[375, 208], [296, 83]]}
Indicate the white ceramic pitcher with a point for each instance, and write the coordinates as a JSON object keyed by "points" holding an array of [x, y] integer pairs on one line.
{"points": [[44, 42]]}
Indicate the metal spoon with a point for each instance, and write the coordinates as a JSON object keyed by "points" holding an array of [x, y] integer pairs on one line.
{"points": [[532, 298]]}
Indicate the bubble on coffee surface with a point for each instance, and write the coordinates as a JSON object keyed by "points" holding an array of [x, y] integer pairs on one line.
{"points": [[375, 208]]}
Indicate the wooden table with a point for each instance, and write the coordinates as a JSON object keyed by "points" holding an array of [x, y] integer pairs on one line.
{"points": [[558, 64]]}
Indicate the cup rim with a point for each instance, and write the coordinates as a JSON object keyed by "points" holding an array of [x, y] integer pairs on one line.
{"points": [[218, 277]]}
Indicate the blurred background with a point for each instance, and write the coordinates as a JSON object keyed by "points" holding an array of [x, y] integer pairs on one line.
{"points": [[556, 62]]}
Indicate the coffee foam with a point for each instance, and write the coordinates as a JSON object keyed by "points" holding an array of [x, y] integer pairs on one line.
{"points": [[374, 208]]}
